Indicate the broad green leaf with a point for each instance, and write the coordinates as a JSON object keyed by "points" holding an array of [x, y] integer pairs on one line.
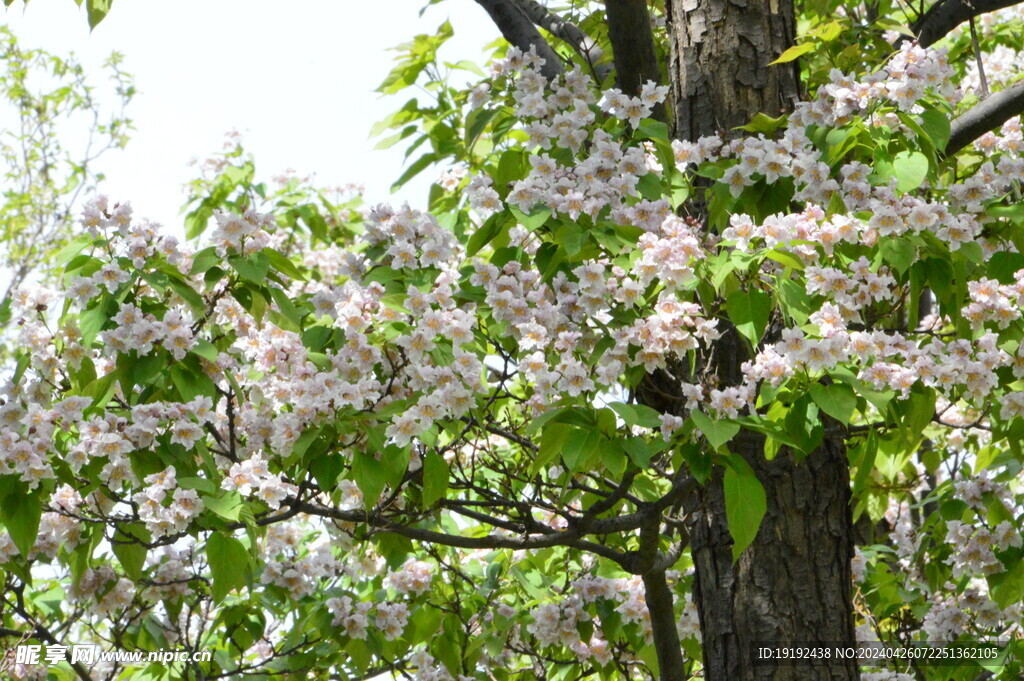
{"points": [[97, 10], [899, 253], [581, 447], [910, 169], [936, 126], [435, 478], [204, 260], [717, 432], [205, 349], [20, 512], [794, 52], [73, 248], [745, 504], [368, 476], [762, 123], [640, 451], [749, 311], [613, 457], [228, 562], [536, 218], [130, 553], [227, 505], [252, 268], [637, 414], [1008, 588], [837, 400], [282, 264]]}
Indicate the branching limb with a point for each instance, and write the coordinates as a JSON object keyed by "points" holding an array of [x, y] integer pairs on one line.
{"points": [[515, 25], [945, 15], [586, 46], [986, 115]]}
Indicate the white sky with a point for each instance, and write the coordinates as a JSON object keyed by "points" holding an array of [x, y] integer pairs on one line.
{"points": [[296, 78]]}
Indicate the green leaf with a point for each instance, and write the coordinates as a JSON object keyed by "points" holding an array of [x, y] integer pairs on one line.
{"points": [[792, 53], [745, 504], [552, 440], [637, 414], [764, 124], [836, 400], [287, 307], [205, 349], [20, 512], [581, 447], [227, 505], [1008, 587], [749, 311], [97, 10], [228, 560], [204, 260], [304, 441], [910, 169], [252, 268], [793, 300], [900, 253], [435, 478], [936, 126], [614, 458], [369, 477], [130, 553], [418, 166], [717, 432], [536, 218], [282, 264], [73, 248], [640, 451]]}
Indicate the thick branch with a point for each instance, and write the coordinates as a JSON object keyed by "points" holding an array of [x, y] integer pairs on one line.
{"points": [[586, 46], [629, 29], [986, 115], [663, 626], [516, 27], [945, 15]]}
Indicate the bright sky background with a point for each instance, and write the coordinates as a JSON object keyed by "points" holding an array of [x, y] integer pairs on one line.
{"points": [[296, 78]]}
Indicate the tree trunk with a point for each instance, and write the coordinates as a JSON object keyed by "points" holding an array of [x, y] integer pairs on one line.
{"points": [[793, 584], [720, 51]]}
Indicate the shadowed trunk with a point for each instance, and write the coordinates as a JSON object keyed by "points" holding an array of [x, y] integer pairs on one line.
{"points": [[793, 584]]}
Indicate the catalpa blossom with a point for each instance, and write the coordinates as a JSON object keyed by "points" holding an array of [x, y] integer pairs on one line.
{"points": [[414, 577], [391, 619]]}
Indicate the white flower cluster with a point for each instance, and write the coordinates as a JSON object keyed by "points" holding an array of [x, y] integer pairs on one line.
{"points": [[241, 234], [162, 520], [101, 592], [354, 618], [140, 331], [413, 238], [300, 572], [414, 577], [251, 475]]}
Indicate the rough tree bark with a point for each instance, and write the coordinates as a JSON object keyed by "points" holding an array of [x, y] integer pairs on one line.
{"points": [[793, 583], [720, 51]]}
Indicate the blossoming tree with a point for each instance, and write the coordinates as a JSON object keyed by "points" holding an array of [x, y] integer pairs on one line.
{"points": [[647, 385]]}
